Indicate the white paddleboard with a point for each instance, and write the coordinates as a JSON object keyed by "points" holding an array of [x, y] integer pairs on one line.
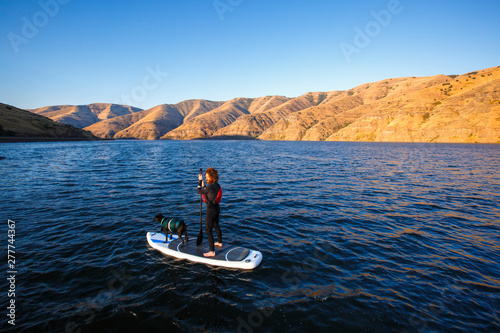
{"points": [[227, 256]]}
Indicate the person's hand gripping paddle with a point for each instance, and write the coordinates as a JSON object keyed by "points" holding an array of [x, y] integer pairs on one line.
{"points": [[200, 235]]}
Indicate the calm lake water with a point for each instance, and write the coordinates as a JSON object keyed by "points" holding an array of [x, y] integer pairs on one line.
{"points": [[374, 237]]}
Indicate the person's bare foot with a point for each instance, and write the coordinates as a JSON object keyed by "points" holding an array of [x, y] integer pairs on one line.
{"points": [[218, 244], [209, 254]]}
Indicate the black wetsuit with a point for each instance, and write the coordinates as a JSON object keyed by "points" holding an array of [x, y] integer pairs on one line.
{"points": [[213, 211]]}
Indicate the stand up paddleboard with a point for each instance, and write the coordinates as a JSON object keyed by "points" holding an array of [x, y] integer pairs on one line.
{"points": [[227, 256]]}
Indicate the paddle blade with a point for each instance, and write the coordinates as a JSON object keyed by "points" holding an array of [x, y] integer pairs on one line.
{"points": [[200, 238]]}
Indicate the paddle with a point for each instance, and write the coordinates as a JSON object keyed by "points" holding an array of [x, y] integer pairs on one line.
{"points": [[200, 235]]}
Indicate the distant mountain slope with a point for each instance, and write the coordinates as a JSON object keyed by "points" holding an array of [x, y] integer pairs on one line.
{"points": [[194, 107], [18, 123], [207, 124], [84, 115], [436, 109], [210, 123], [156, 122], [253, 125], [441, 108], [153, 123]]}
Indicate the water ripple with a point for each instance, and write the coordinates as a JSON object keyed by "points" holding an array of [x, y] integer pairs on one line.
{"points": [[355, 236]]}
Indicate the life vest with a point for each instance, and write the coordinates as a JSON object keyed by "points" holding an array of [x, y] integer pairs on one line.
{"points": [[218, 198], [171, 223]]}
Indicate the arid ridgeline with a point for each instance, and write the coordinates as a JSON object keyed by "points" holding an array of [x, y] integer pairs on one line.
{"points": [[442, 108], [21, 125]]}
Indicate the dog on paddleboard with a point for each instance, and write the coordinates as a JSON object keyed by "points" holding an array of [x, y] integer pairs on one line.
{"points": [[171, 224]]}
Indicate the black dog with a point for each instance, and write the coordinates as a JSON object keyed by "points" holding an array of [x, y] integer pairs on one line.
{"points": [[171, 224]]}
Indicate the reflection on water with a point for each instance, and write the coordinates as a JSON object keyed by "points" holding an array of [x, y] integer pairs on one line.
{"points": [[384, 237]]}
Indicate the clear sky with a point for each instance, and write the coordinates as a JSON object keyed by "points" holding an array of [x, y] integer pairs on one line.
{"points": [[145, 53]]}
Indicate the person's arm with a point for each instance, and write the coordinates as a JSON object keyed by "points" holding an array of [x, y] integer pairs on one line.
{"points": [[209, 190], [201, 186], [203, 190]]}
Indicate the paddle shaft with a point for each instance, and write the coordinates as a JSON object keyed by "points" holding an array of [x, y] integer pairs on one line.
{"points": [[201, 207], [200, 234]]}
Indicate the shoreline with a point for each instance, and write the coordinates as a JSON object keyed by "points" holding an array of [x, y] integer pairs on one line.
{"points": [[14, 139]]}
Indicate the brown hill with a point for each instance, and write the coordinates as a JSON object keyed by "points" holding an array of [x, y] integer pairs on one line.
{"points": [[153, 123], [156, 122], [439, 108], [17, 124], [84, 115], [428, 109], [436, 109], [252, 125], [211, 123], [194, 107], [207, 124]]}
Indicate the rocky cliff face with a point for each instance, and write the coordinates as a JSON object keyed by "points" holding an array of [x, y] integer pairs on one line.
{"points": [[464, 108]]}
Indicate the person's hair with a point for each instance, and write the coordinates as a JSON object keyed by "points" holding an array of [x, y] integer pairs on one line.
{"points": [[214, 174]]}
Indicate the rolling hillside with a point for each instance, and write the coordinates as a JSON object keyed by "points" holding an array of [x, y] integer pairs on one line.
{"points": [[441, 108], [17, 124], [84, 115]]}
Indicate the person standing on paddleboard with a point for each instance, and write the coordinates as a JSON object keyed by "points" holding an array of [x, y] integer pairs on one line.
{"points": [[212, 194]]}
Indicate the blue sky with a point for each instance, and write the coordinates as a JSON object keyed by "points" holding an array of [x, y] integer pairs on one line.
{"points": [[146, 53]]}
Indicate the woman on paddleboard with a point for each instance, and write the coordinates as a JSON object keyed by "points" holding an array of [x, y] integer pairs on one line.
{"points": [[212, 194]]}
